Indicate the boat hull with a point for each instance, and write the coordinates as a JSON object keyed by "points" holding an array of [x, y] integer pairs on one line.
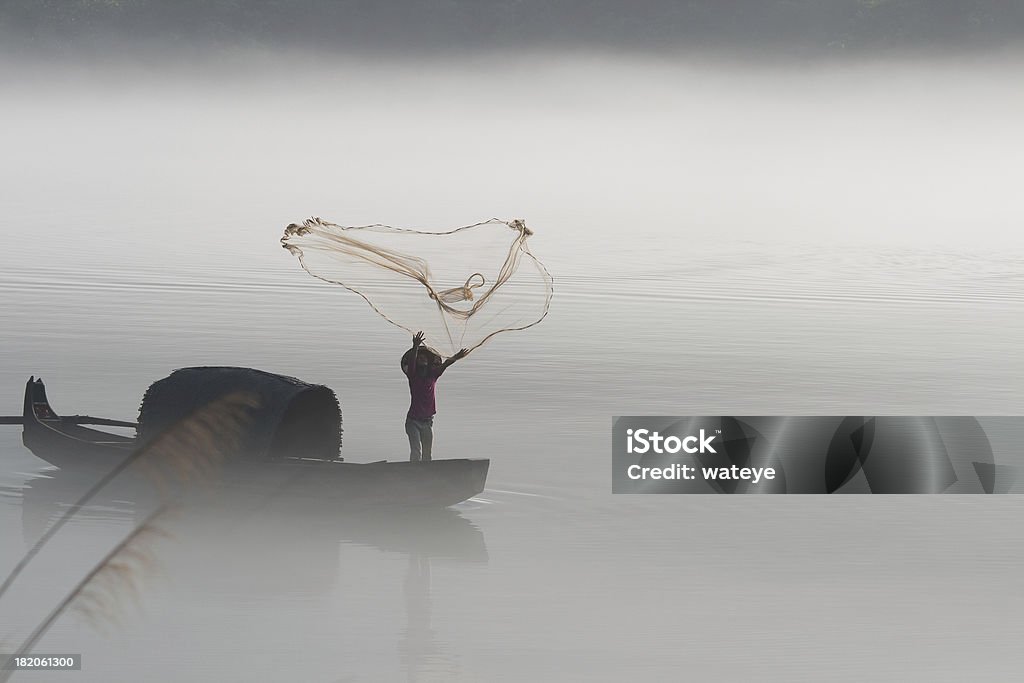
{"points": [[403, 484]]}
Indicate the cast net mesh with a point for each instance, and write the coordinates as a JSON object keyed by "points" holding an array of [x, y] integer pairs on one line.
{"points": [[459, 287]]}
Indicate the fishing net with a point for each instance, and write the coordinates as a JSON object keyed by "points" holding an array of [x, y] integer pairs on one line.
{"points": [[459, 287]]}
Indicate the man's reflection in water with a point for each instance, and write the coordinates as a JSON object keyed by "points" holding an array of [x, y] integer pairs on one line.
{"points": [[417, 645], [426, 538]]}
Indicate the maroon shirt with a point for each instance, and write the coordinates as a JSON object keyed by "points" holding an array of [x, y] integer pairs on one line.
{"points": [[421, 391]]}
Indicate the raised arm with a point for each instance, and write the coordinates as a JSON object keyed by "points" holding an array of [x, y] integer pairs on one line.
{"points": [[462, 353], [417, 342]]}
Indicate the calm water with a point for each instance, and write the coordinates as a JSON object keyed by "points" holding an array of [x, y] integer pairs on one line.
{"points": [[705, 262]]}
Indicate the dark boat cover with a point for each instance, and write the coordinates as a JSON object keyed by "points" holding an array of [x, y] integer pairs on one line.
{"points": [[292, 418]]}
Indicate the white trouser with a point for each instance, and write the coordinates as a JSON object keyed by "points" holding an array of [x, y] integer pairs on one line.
{"points": [[421, 438]]}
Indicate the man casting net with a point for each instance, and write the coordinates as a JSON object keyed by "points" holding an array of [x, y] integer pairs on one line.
{"points": [[459, 287]]}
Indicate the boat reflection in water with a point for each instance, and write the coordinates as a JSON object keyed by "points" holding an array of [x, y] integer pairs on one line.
{"points": [[228, 547]]}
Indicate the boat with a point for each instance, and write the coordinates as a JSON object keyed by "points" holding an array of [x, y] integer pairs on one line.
{"points": [[290, 444], [63, 441]]}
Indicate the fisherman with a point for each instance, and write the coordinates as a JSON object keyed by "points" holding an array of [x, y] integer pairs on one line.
{"points": [[422, 365]]}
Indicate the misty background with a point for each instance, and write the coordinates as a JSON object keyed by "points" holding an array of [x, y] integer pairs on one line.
{"points": [[747, 208]]}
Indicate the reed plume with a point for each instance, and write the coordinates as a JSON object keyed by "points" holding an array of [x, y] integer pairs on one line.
{"points": [[119, 577], [188, 450], [193, 449], [97, 589]]}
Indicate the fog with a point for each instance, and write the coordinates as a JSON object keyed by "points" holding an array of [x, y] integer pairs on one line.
{"points": [[725, 237], [591, 151]]}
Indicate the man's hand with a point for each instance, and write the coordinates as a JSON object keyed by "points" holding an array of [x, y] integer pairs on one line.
{"points": [[417, 339]]}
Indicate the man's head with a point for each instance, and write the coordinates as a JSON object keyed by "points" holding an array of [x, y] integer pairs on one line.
{"points": [[426, 358]]}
